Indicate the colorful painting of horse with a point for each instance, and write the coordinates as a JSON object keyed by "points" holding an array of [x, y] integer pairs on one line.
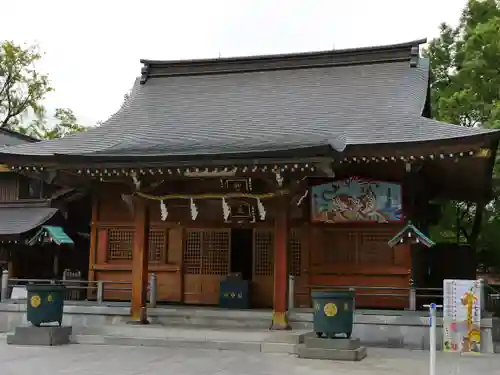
{"points": [[356, 200]]}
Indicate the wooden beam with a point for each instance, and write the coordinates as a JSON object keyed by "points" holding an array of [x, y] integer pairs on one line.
{"points": [[280, 315], [93, 236], [140, 262]]}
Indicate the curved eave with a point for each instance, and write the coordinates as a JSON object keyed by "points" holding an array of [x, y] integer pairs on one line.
{"points": [[484, 139], [143, 157], [166, 159], [17, 221]]}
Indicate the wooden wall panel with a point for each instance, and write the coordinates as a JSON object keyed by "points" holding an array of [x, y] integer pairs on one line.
{"points": [[175, 245], [93, 242], [9, 187], [359, 256], [192, 289], [102, 246], [169, 286], [172, 288], [210, 286], [363, 298], [111, 290]]}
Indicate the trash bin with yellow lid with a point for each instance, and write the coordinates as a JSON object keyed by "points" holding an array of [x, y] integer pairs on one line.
{"points": [[45, 303], [333, 313]]}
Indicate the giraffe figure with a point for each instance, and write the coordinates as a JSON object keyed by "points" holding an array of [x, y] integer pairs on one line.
{"points": [[468, 299]]}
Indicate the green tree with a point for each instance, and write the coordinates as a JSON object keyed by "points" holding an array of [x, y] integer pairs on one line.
{"points": [[65, 124], [21, 87], [465, 90]]}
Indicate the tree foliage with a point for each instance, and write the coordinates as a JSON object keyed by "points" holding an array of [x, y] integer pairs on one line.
{"points": [[65, 124], [21, 87], [465, 90], [465, 67]]}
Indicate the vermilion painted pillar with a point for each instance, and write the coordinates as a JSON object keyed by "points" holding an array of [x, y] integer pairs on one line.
{"points": [[140, 262], [280, 316]]}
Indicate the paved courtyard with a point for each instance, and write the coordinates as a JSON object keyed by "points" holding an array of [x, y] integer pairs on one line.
{"points": [[122, 360]]}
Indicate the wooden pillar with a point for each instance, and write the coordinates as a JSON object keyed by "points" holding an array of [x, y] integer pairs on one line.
{"points": [[93, 236], [140, 262], [281, 232]]}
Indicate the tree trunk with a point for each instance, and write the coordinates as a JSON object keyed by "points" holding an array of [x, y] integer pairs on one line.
{"points": [[476, 225]]}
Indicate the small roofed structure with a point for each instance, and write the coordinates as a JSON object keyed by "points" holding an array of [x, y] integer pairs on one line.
{"points": [[323, 157], [25, 206]]}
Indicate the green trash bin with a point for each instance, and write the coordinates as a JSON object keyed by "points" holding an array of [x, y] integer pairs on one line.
{"points": [[45, 303], [333, 313]]}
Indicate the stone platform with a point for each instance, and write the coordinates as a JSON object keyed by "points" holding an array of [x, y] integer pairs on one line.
{"points": [[312, 347], [375, 328], [41, 336]]}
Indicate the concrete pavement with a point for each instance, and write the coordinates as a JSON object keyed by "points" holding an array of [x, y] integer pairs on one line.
{"points": [[119, 360]]}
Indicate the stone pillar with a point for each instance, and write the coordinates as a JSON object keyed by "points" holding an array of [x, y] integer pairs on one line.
{"points": [[140, 262], [280, 316]]}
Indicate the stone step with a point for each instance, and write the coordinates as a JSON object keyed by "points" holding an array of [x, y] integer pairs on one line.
{"points": [[254, 346], [192, 332], [234, 322], [167, 342], [230, 318], [194, 337]]}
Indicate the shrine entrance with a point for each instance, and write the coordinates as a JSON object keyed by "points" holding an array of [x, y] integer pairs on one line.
{"points": [[210, 254], [242, 252]]}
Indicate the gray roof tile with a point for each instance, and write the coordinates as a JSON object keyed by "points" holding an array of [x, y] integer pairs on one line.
{"points": [[371, 102], [17, 220]]}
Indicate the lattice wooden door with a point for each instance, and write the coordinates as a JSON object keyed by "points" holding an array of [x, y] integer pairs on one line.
{"points": [[298, 258], [263, 267], [206, 263]]}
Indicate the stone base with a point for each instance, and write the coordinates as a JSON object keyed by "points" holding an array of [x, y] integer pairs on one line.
{"points": [[312, 347], [332, 354], [138, 322], [42, 336]]}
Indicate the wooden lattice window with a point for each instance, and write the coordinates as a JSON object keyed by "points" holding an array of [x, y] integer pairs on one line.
{"points": [[373, 249], [340, 247], [295, 250], [158, 245], [8, 187], [192, 252], [120, 242], [263, 243], [215, 252]]}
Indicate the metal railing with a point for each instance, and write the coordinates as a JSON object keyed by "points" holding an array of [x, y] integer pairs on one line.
{"points": [[85, 287], [417, 297]]}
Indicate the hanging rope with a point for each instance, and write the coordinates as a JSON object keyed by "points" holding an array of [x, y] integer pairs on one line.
{"points": [[209, 196]]}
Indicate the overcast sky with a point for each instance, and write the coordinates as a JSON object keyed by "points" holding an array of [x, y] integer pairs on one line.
{"points": [[92, 48]]}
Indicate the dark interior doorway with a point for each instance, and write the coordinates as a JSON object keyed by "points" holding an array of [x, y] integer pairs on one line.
{"points": [[241, 252]]}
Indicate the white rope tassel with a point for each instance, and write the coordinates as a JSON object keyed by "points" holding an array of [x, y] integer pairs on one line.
{"points": [[279, 179], [194, 209], [136, 181], [164, 211], [226, 210], [262, 209], [299, 202]]}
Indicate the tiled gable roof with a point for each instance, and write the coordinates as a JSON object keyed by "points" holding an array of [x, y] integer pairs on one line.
{"points": [[215, 107]]}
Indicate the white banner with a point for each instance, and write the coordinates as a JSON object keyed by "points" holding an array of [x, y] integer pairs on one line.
{"points": [[462, 316]]}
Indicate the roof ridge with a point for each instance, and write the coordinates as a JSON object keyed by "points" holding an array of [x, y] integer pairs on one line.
{"points": [[408, 51]]}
